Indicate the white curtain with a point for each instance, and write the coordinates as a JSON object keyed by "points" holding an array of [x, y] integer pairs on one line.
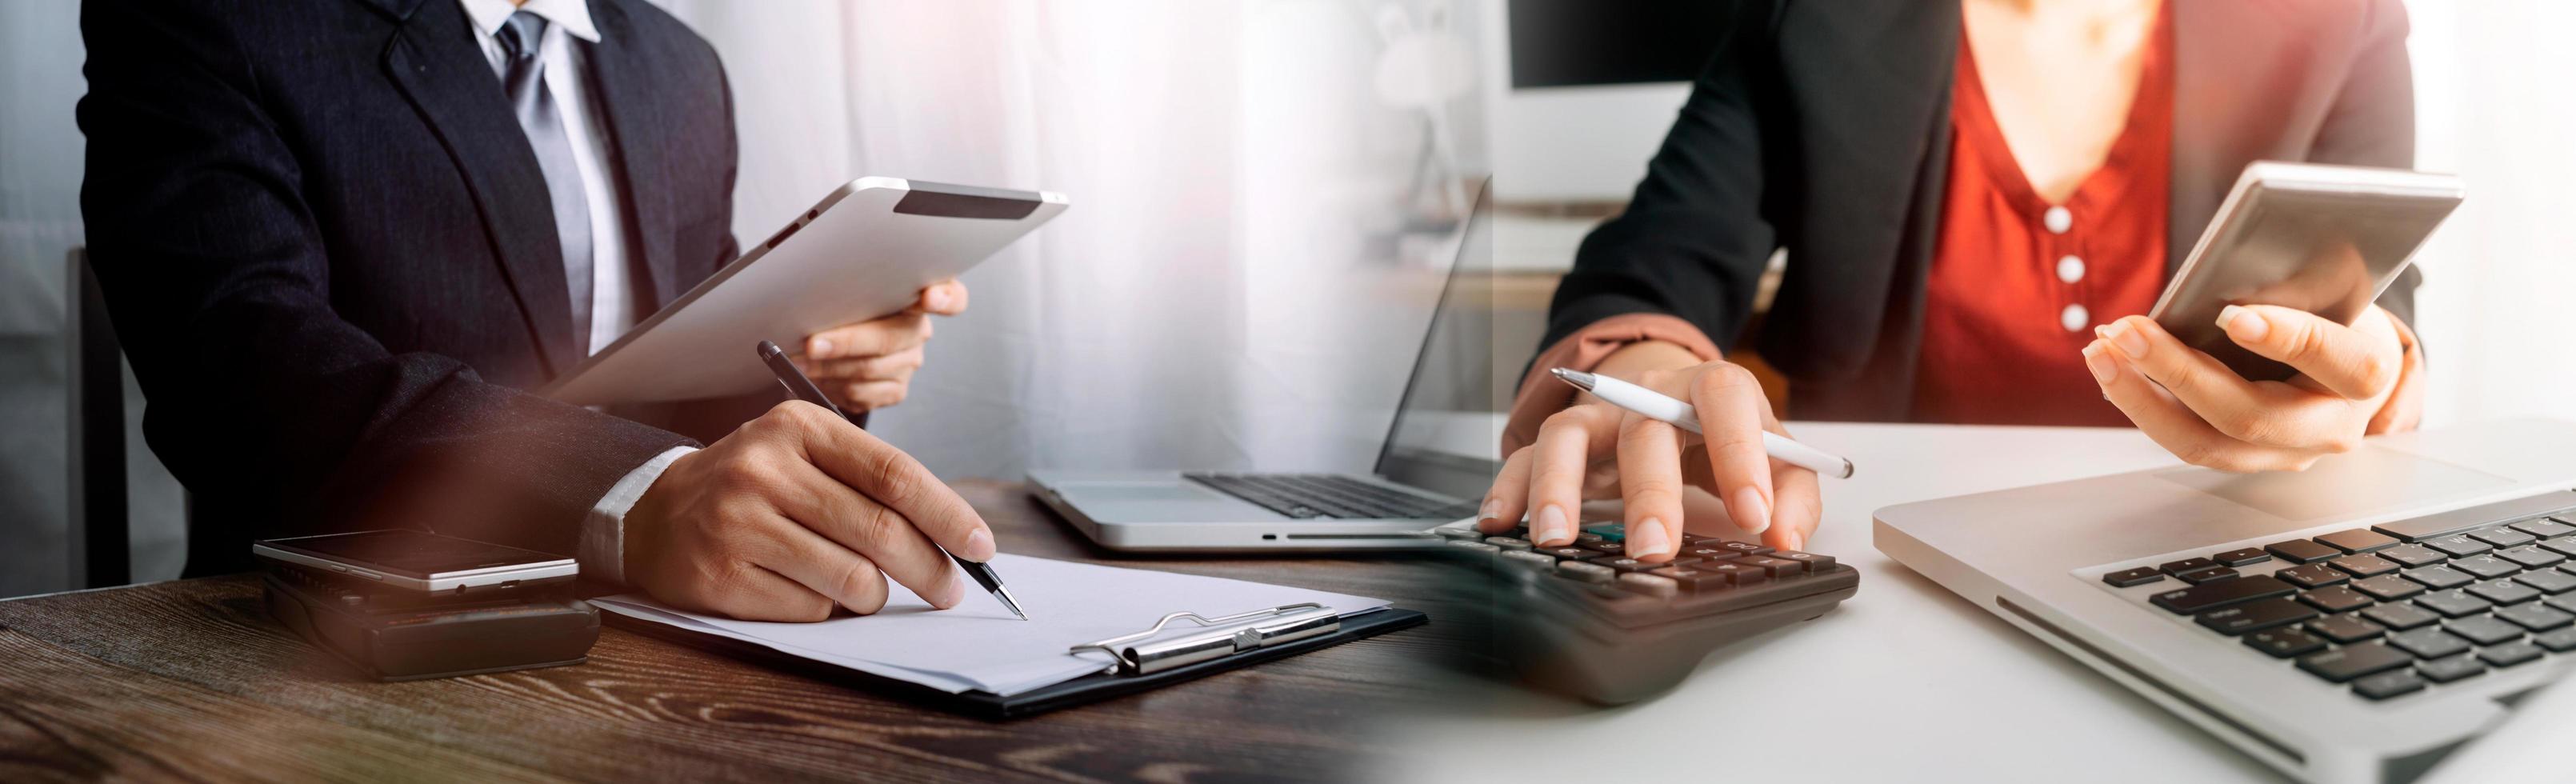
{"points": [[1222, 291], [2494, 104]]}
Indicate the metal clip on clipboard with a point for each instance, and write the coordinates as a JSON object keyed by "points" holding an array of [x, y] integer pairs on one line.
{"points": [[1288, 622]]}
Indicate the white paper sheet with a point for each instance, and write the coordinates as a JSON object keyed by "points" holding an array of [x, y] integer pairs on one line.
{"points": [[979, 645]]}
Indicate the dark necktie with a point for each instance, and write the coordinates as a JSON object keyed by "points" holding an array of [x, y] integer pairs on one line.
{"points": [[524, 78]]}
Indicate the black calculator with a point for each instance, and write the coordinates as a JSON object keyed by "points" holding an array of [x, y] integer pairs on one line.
{"points": [[1589, 621]]}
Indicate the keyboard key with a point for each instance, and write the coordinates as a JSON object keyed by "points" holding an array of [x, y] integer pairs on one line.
{"points": [[2186, 565], [2400, 616], [2564, 601], [2544, 527], [2429, 643], [2450, 669], [2354, 661], [2485, 567], [2413, 555], [2250, 555], [2531, 557], [2392, 683], [2210, 574], [1814, 562], [2312, 575], [2256, 616], [2483, 630], [1778, 567], [2335, 599], [2285, 643], [2439, 578], [2301, 551], [2504, 591], [2343, 629], [2130, 578], [2388, 587], [2453, 604], [1649, 585], [2535, 617], [2560, 641], [2548, 580], [2358, 540], [2502, 537], [1585, 571], [2364, 565], [2564, 545], [2203, 598], [2510, 654], [2459, 546]]}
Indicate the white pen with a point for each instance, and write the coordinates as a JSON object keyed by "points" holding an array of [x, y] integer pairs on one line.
{"points": [[1663, 408]]}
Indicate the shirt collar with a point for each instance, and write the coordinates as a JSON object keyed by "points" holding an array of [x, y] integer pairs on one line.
{"points": [[571, 15]]}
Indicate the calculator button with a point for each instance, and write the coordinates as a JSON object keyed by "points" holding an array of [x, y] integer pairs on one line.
{"points": [[2130, 578], [1778, 567], [1649, 585], [1585, 572], [2250, 555], [1708, 553], [1736, 573], [2301, 551], [1568, 553], [1747, 548], [1626, 565], [1814, 562], [1508, 542]]}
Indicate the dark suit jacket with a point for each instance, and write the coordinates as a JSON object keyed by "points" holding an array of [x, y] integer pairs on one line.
{"points": [[1824, 128], [327, 247]]}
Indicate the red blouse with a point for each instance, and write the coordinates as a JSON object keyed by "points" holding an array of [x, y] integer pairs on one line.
{"points": [[2018, 284]]}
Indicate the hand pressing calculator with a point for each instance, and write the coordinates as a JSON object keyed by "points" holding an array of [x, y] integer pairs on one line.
{"points": [[1587, 620]]}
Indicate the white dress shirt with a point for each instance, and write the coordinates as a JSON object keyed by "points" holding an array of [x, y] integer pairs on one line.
{"points": [[612, 290]]}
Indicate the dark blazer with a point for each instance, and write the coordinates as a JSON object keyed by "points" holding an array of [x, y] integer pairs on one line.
{"points": [[1824, 128], [328, 249]]}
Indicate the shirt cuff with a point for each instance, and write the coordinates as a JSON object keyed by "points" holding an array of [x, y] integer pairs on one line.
{"points": [[603, 533]]}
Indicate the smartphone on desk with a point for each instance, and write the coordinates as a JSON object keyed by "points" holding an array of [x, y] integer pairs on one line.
{"points": [[2323, 239], [416, 560]]}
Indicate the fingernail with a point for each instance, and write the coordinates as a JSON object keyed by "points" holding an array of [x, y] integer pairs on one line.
{"points": [[1492, 509], [1552, 528], [952, 592], [979, 545], [2125, 337], [938, 298], [1648, 537], [2100, 364], [818, 347], [1753, 515], [2250, 327], [1794, 541]]}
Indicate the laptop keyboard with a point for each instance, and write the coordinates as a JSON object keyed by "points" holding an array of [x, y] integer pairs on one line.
{"points": [[2393, 609], [1305, 496]]}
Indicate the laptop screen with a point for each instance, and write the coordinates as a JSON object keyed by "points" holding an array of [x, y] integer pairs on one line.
{"points": [[1447, 431]]}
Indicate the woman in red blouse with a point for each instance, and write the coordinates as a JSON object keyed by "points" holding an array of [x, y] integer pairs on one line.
{"points": [[1978, 199]]}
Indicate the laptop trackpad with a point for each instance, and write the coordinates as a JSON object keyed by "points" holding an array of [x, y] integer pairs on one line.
{"points": [[2340, 486]]}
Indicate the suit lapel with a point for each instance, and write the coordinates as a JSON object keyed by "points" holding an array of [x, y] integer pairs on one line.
{"points": [[1880, 71], [636, 116], [436, 62]]}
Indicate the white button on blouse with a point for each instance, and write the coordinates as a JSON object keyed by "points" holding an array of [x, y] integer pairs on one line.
{"points": [[2074, 318], [2058, 220], [2070, 269]]}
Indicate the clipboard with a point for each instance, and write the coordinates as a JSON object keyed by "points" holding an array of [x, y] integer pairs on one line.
{"points": [[1229, 642]]}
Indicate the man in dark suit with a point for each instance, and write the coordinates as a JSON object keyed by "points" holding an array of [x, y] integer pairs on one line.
{"points": [[342, 239]]}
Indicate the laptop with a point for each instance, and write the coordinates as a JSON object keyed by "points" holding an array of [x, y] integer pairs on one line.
{"points": [[1437, 459], [2356, 622]]}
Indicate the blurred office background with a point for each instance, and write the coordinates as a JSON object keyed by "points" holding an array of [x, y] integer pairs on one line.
{"points": [[1264, 196]]}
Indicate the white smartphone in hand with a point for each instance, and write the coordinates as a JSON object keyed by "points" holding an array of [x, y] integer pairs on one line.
{"points": [[2323, 239]]}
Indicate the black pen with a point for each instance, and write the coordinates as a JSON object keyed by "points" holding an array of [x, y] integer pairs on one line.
{"points": [[803, 388]]}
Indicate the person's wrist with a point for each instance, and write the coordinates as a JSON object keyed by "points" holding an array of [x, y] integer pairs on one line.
{"points": [[1646, 356]]}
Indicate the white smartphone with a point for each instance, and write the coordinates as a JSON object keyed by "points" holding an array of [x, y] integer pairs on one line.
{"points": [[2323, 239], [416, 560]]}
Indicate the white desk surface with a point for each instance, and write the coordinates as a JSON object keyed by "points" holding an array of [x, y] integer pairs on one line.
{"points": [[1904, 682]]}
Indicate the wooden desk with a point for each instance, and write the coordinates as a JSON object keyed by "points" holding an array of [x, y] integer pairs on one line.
{"points": [[190, 679]]}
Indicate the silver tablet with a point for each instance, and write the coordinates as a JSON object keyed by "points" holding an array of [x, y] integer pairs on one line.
{"points": [[2323, 239], [862, 252], [416, 560]]}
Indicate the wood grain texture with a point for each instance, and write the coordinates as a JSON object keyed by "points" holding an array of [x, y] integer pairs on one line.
{"points": [[191, 680]]}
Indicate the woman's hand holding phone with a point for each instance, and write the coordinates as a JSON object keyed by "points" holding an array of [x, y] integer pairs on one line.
{"points": [[2353, 381], [1593, 450]]}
